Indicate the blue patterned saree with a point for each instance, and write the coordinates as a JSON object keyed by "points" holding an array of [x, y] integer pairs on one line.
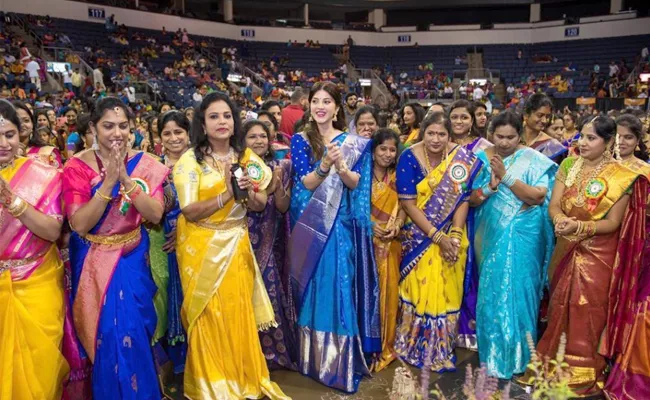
{"points": [[332, 267]]}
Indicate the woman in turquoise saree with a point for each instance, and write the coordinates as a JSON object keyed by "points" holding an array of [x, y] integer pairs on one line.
{"points": [[514, 244], [332, 270], [108, 193]]}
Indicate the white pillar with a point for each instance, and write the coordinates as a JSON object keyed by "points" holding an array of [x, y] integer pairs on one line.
{"points": [[305, 13], [227, 11], [535, 12], [377, 18], [615, 6], [137, 4]]}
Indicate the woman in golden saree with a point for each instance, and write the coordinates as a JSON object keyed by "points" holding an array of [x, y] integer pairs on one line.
{"points": [[598, 208], [32, 309], [388, 216], [225, 302]]}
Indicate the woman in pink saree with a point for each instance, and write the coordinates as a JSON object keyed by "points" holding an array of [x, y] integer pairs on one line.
{"points": [[31, 272], [108, 193]]}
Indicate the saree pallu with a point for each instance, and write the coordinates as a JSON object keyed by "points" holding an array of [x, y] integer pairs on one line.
{"points": [[176, 338], [48, 155], [467, 320], [225, 302], [160, 272], [431, 289], [551, 148], [269, 233], [630, 375], [582, 272], [113, 289], [514, 244], [333, 275], [388, 254], [32, 309], [412, 137]]}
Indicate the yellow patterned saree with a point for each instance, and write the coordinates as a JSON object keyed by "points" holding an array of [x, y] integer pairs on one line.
{"points": [[225, 299], [385, 206]]}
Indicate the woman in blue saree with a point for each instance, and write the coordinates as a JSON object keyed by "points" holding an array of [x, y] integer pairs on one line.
{"points": [[514, 243], [108, 193], [332, 265]]}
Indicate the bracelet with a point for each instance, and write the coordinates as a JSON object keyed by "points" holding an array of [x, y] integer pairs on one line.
{"points": [[321, 173], [432, 232], [102, 196], [220, 201], [18, 207], [399, 223], [128, 192], [136, 193], [437, 238], [508, 179], [579, 229], [590, 229], [559, 217]]}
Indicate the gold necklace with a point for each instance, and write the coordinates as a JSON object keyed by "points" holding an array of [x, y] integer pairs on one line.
{"points": [[378, 186], [534, 140], [582, 182], [10, 164]]}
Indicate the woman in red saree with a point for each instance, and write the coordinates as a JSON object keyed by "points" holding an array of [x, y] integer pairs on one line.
{"points": [[108, 193], [630, 376], [598, 209], [31, 272]]}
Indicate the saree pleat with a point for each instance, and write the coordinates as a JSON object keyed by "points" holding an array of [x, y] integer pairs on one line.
{"points": [[580, 287], [513, 246], [268, 232], [225, 301], [31, 326], [467, 319], [32, 308], [630, 375], [431, 289], [333, 275], [113, 289]]}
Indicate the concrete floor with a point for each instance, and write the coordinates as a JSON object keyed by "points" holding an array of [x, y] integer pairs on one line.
{"points": [[451, 384]]}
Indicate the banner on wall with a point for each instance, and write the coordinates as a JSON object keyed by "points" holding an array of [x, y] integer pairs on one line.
{"points": [[250, 33], [96, 13], [634, 102], [404, 39]]}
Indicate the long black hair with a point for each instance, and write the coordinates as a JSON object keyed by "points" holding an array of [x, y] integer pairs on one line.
{"points": [[199, 138], [508, 118], [250, 124], [636, 127], [34, 139], [419, 112], [439, 118], [8, 112]]}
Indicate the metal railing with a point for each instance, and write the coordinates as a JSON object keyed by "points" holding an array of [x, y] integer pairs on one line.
{"points": [[148, 88]]}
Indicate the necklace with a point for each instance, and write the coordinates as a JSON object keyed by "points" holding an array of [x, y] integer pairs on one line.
{"points": [[10, 164], [379, 185], [534, 140], [576, 175], [221, 162]]}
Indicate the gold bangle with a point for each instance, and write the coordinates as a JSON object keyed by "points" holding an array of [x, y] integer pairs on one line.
{"points": [[19, 209], [437, 238], [558, 218], [102, 196], [399, 223], [432, 232], [128, 192], [455, 229]]}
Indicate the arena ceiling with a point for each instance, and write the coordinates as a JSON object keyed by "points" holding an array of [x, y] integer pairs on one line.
{"points": [[390, 4]]}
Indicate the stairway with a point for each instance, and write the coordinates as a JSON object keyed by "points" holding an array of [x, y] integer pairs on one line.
{"points": [[51, 84], [475, 66]]}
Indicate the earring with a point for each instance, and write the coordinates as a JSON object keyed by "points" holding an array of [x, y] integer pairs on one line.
{"points": [[607, 155], [336, 118], [311, 118], [95, 143]]}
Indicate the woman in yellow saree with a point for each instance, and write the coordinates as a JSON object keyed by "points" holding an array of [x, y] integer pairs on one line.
{"points": [[388, 217], [32, 311], [225, 301], [411, 116], [434, 180]]}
